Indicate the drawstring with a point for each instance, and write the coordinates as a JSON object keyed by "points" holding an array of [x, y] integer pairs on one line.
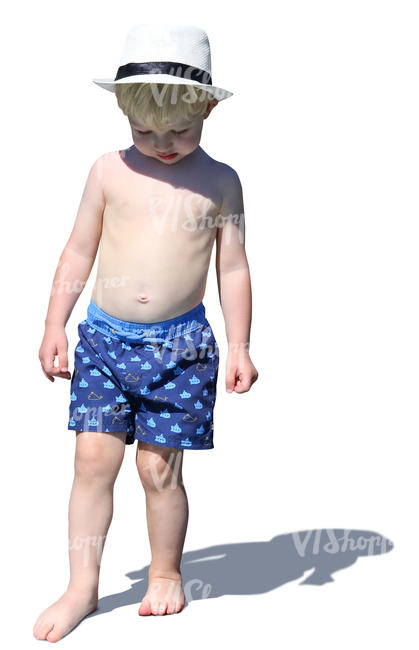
{"points": [[134, 336], [144, 334]]}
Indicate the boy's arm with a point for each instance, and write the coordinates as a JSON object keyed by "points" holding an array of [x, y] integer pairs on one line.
{"points": [[233, 275], [234, 287], [78, 256]]}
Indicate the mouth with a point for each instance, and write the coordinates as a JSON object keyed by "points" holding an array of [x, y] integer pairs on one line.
{"points": [[167, 156]]}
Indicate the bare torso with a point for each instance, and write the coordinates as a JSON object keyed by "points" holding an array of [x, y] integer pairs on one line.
{"points": [[159, 228]]}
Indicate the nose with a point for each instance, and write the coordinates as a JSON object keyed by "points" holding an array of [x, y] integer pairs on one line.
{"points": [[162, 143]]}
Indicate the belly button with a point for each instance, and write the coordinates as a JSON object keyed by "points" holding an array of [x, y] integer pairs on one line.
{"points": [[142, 297]]}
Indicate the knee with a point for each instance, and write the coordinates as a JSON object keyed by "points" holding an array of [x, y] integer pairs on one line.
{"points": [[158, 473], [93, 462]]}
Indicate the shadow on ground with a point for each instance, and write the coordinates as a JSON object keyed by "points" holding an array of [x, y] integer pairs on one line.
{"points": [[258, 567]]}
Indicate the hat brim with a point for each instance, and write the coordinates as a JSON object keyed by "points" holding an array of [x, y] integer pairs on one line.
{"points": [[110, 84]]}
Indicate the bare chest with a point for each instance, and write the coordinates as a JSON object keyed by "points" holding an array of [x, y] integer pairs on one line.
{"points": [[139, 204]]}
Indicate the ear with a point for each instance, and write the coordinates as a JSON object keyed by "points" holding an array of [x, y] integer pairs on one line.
{"points": [[211, 104]]}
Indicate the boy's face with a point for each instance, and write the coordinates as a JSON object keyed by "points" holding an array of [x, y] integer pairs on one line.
{"points": [[173, 143]]}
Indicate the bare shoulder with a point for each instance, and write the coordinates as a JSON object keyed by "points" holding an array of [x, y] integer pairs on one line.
{"points": [[224, 173], [105, 167], [95, 175], [230, 188], [228, 185], [107, 159], [97, 167]]}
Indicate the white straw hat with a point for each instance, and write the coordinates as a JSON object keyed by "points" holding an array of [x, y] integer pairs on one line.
{"points": [[169, 54]]}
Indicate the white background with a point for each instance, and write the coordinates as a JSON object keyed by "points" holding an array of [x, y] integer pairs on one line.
{"points": [[323, 132]]}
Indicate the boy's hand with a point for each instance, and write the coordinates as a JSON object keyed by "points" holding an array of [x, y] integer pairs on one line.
{"points": [[54, 343], [240, 371]]}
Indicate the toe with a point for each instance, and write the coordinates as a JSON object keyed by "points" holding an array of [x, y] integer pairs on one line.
{"points": [[44, 629], [162, 608], [179, 606], [54, 635], [145, 609], [158, 608], [37, 627]]}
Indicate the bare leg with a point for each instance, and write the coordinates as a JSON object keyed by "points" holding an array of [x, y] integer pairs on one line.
{"points": [[98, 458], [160, 470]]}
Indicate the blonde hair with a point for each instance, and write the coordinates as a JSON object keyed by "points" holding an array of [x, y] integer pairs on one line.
{"points": [[158, 104]]}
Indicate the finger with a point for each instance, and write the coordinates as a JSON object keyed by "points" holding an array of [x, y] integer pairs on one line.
{"points": [[47, 364], [53, 371], [243, 384], [230, 381], [64, 375], [47, 375], [57, 371], [62, 360]]}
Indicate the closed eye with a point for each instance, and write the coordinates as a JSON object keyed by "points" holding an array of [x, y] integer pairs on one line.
{"points": [[146, 132]]}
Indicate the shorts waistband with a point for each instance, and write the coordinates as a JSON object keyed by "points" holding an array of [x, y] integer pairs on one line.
{"points": [[132, 331]]}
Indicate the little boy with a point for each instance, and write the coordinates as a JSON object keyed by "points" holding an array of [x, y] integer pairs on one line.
{"points": [[146, 363]]}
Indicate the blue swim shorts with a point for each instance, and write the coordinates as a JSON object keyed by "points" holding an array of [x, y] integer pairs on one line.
{"points": [[156, 381]]}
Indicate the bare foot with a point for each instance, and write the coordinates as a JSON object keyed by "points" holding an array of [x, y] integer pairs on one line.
{"points": [[164, 596], [64, 614]]}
